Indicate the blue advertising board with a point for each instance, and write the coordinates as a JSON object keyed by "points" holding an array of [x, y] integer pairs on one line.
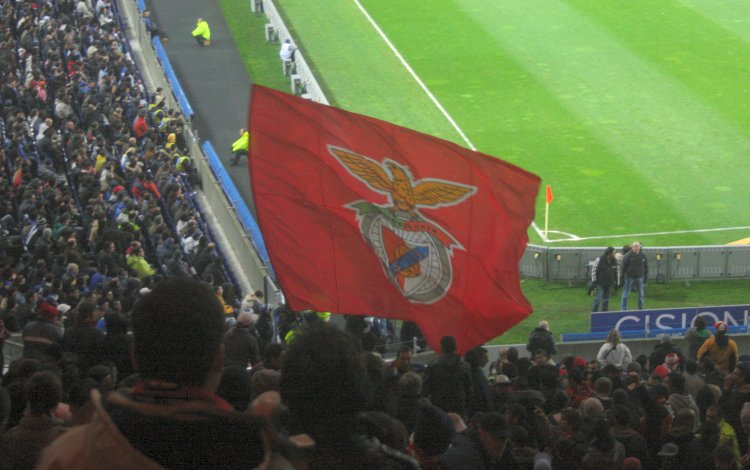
{"points": [[669, 319]]}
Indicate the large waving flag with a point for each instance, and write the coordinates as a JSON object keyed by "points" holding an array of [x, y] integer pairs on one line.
{"points": [[365, 217]]}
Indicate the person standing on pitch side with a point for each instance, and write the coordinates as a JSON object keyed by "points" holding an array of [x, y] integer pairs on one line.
{"points": [[635, 269]]}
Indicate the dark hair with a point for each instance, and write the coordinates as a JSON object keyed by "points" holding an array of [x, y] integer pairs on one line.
{"points": [[177, 332], [235, 387], [512, 354], [85, 313], [448, 344], [691, 367], [621, 415], [271, 351], [678, 381], [699, 322], [43, 391], [324, 365]]}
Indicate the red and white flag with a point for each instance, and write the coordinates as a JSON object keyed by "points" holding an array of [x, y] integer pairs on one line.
{"points": [[361, 216]]}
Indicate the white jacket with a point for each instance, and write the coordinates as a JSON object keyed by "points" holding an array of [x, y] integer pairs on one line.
{"points": [[617, 356]]}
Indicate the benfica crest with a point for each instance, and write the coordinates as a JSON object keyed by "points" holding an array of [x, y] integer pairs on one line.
{"points": [[414, 251]]}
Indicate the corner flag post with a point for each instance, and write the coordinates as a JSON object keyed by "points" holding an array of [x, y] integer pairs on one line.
{"points": [[548, 200]]}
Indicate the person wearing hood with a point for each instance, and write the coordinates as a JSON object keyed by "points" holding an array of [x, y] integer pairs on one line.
{"points": [[679, 398], [721, 349]]}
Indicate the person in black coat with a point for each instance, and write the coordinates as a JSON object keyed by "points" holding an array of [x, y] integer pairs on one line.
{"points": [[447, 381], [241, 343], [603, 277], [541, 338], [84, 339]]}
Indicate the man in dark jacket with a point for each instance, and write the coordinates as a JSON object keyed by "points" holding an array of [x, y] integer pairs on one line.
{"points": [[240, 343], [481, 446], [447, 381], [22, 445], [39, 334], [541, 338], [635, 269], [603, 277]]}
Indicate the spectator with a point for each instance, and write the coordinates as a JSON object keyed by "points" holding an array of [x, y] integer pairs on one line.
{"points": [[679, 398], [402, 364], [614, 351], [481, 446], [173, 418], [736, 394], [727, 434], [696, 336], [721, 349], [541, 338], [44, 331], [663, 349], [447, 381], [241, 342], [83, 340], [324, 363], [481, 398], [693, 382], [22, 445]]}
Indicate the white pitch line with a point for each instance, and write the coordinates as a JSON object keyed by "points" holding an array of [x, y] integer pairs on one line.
{"points": [[634, 235], [539, 231], [414, 75]]}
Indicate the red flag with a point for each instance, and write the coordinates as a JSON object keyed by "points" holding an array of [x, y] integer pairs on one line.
{"points": [[18, 177], [550, 197], [364, 217]]}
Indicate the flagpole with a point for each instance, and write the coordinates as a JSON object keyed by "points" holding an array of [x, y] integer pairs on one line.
{"points": [[546, 220]]}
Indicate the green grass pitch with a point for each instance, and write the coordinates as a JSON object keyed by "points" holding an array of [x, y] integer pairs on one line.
{"points": [[637, 113]]}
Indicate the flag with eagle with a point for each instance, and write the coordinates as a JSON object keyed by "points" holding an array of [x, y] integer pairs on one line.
{"points": [[364, 217]]}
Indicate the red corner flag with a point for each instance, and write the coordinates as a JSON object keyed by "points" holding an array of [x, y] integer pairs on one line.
{"points": [[550, 197], [364, 217]]}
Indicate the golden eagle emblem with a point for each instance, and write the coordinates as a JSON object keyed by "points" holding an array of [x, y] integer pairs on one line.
{"points": [[415, 252]]}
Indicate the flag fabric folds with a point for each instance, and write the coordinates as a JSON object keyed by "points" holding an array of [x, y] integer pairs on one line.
{"points": [[364, 217], [549, 197]]}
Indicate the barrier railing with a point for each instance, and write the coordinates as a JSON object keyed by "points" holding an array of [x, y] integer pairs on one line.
{"points": [[229, 211], [244, 216]]}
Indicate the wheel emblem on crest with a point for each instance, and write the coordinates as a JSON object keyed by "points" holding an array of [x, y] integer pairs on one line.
{"points": [[414, 251]]}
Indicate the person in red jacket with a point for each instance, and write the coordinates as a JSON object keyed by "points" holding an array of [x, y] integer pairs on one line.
{"points": [[140, 126]]}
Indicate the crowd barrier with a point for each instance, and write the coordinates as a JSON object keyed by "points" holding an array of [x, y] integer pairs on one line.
{"points": [[161, 54], [227, 208]]}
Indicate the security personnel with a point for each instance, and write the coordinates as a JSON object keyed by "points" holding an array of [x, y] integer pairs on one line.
{"points": [[184, 164], [202, 33], [240, 146]]}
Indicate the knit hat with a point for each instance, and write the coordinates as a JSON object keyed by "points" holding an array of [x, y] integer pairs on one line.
{"points": [[433, 431], [661, 371], [48, 311], [720, 326], [672, 359]]}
